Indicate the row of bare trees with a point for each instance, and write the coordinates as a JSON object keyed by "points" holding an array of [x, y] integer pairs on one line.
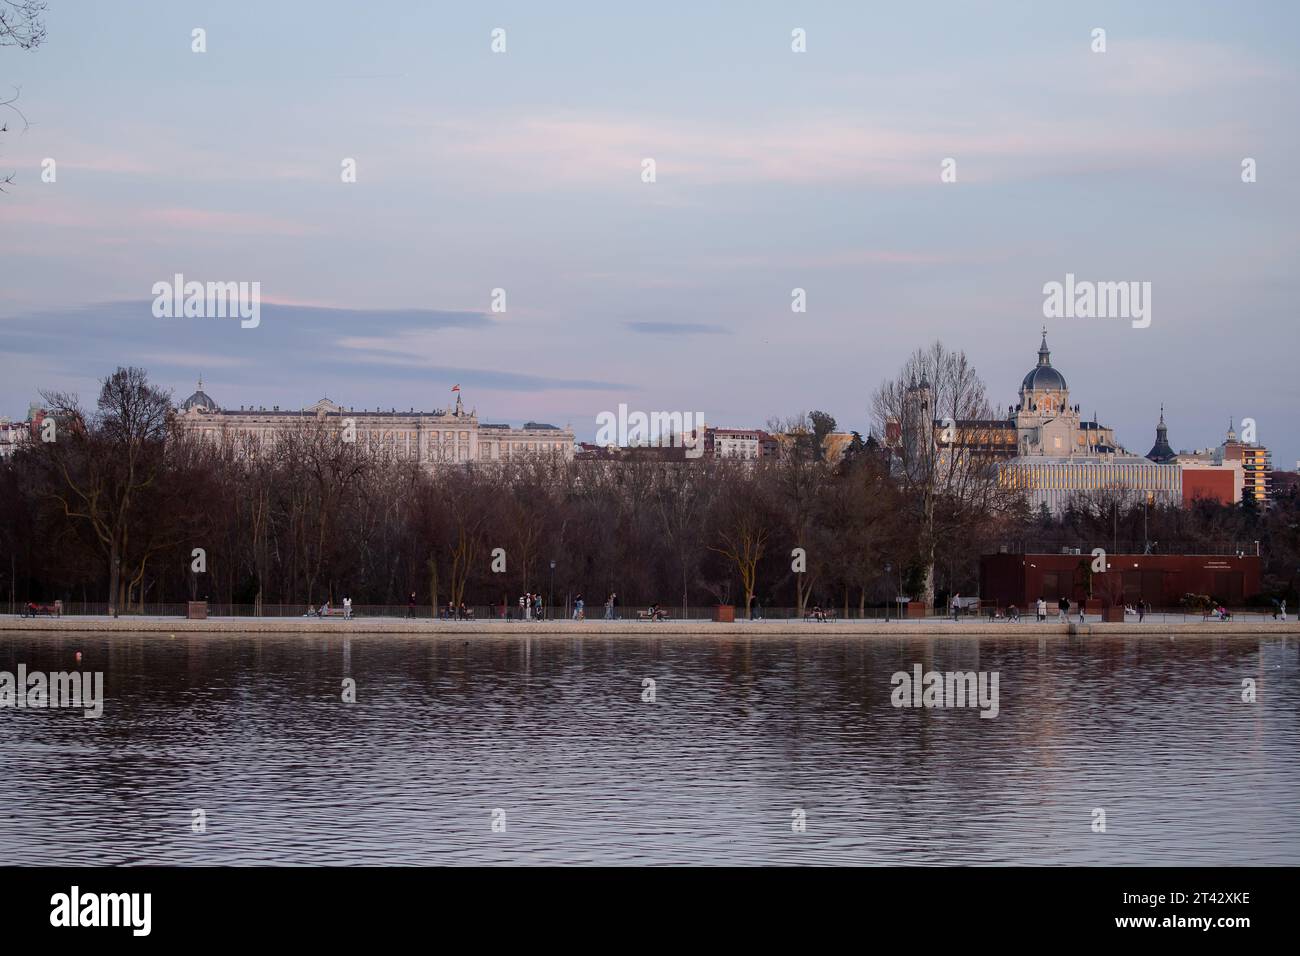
{"points": [[120, 505]]}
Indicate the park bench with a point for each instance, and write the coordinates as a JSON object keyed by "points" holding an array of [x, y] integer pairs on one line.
{"points": [[332, 612], [32, 609], [826, 614], [659, 615]]}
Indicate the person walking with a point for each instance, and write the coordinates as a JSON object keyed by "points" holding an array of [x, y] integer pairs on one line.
{"points": [[1063, 610], [1281, 610], [537, 607], [577, 608], [1041, 609], [1142, 610], [609, 607], [410, 605], [613, 605], [956, 605], [347, 609]]}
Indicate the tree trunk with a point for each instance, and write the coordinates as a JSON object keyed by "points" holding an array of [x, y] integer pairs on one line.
{"points": [[114, 576], [433, 586], [928, 538]]}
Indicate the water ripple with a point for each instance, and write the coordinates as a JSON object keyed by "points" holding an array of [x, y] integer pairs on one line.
{"points": [[743, 732]]}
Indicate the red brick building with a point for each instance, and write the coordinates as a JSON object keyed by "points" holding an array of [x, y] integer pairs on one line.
{"points": [[1159, 579], [1211, 484]]}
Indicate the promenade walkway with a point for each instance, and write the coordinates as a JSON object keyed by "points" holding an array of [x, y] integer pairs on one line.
{"points": [[596, 628]]}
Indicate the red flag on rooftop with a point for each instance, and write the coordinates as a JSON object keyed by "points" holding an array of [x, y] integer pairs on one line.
{"points": [[455, 388]]}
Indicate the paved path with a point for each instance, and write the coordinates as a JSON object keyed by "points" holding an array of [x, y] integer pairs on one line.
{"points": [[397, 625]]}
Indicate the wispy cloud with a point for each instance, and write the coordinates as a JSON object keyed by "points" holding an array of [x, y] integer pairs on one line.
{"points": [[676, 328], [301, 350], [230, 223]]}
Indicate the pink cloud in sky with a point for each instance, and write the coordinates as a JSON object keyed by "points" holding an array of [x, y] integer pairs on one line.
{"points": [[49, 208], [236, 223], [578, 152]]}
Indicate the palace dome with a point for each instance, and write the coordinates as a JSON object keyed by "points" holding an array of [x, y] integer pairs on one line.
{"points": [[201, 400]]}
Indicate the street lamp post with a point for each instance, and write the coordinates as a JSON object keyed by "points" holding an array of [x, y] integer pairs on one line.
{"points": [[550, 599], [889, 572]]}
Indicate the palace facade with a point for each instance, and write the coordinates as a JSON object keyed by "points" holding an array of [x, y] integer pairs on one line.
{"points": [[441, 436]]}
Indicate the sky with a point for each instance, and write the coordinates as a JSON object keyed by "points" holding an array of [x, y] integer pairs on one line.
{"points": [[774, 170]]}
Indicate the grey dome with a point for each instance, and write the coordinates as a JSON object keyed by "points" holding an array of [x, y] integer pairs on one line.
{"points": [[1042, 375], [200, 399]]}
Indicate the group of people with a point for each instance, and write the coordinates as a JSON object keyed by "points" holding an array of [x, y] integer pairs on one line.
{"points": [[453, 613], [580, 607], [655, 613], [326, 610], [531, 607], [1040, 611]]}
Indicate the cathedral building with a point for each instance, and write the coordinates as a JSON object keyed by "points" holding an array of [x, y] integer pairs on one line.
{"points": [[1043, 448], [1045, 421], [441, 436], [1042, 423], [1063, 458]]}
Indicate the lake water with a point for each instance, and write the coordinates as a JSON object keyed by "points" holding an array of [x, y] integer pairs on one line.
{"points": [[744, 733]]}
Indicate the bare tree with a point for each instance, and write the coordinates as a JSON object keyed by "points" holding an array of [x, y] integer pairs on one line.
{"points": [[102, 462], [742, 528], [798, 480], [936, 395], [683, 498], [22, 24]]}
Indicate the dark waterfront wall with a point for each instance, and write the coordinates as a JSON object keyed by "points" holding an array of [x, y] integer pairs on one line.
{"points": [[1158, 579]]}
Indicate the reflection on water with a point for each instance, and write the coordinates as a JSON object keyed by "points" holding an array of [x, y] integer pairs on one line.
{"points": [[744, 730]]}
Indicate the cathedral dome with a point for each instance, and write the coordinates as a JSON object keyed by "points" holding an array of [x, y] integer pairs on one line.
{"points": [[1042, 376]]}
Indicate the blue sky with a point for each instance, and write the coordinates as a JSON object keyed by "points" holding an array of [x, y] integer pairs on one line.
{"points": [[775, 170]]}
